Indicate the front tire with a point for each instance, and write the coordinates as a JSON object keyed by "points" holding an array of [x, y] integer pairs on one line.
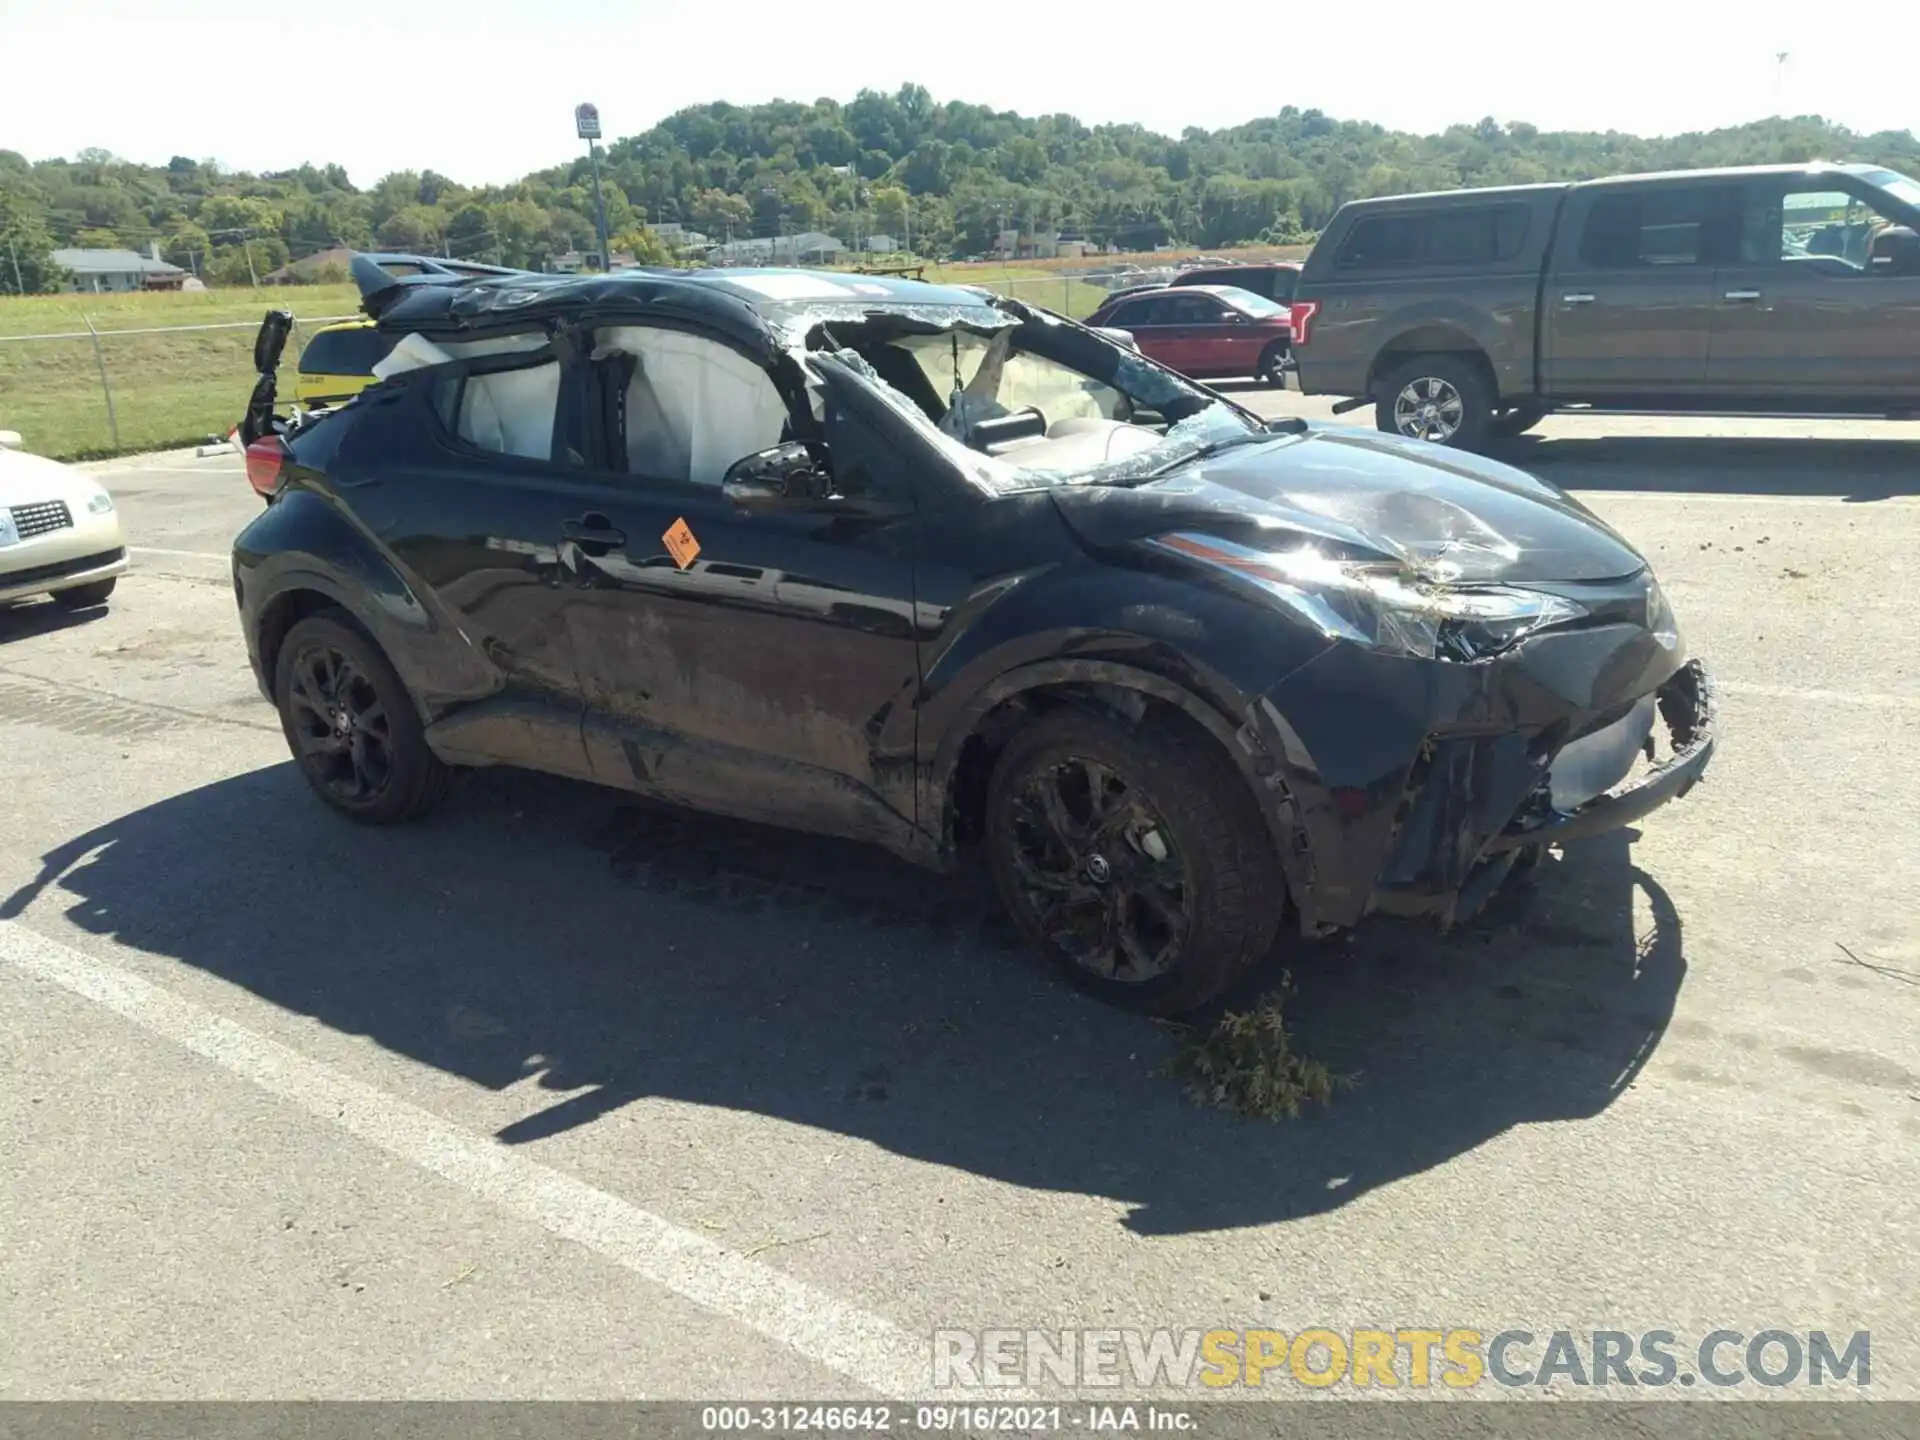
{"points": [[352, 726], [1443, 398], [1134, 859], [84, 597]]}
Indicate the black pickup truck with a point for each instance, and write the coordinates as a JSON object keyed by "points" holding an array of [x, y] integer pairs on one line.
{"points": [[1464, 315]]}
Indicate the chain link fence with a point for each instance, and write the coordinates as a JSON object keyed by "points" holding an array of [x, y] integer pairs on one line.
{"points": [[76, 394], [1073, 293]]}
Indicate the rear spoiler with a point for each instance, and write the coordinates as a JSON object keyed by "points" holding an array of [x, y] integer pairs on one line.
{"points": [[380, 287]]}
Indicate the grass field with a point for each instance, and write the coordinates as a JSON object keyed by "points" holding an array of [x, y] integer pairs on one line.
{"points": [[177, 388], [169, 389]]}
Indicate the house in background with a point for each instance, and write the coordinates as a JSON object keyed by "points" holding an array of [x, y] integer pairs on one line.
{"points": [[678, 238], [113, 271], [315, 269]]}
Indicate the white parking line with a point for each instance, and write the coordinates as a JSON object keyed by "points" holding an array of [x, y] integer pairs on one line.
{"points": [[183, 554], [862, 1346]]}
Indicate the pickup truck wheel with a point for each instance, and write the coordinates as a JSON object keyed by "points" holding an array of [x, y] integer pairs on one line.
{"points": [[1445, 399]]}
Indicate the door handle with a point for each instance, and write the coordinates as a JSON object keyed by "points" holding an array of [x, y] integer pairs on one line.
{"points": [[593, 533], [1743, 294], [1582, 298]]}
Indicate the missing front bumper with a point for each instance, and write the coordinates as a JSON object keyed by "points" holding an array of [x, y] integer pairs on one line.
{"points": [[1686, 705]]}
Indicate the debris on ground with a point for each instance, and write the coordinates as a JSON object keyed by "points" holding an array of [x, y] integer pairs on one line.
{"points": [[1246, 1063]]}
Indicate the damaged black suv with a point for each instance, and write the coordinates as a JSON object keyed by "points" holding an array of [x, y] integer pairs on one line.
{"points": [[908, 563]]}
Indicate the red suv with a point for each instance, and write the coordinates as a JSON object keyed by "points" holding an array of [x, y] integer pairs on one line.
{"points": [[1206, 331]]}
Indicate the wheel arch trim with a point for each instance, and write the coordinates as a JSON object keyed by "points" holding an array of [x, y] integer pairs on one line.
{"points": [[1260, 770]]}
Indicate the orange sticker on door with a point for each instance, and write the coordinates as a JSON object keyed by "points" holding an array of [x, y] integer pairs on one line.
{"points": [[681, 544]]}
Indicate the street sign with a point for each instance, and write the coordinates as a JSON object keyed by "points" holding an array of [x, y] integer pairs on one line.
{"points": [[586, 120]]}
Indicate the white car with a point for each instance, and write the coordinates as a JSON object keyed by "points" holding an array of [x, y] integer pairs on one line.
{"points": [[59, 532]]}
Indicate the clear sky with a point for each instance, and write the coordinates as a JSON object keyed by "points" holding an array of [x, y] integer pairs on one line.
{"points": [[483, 90]]}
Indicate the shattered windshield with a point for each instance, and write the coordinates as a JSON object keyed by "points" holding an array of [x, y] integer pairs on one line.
{"points": [[1040, 403]]}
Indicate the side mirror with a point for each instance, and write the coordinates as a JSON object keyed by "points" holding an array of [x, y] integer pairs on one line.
{"points": [[786, 471], [1895, 252]]}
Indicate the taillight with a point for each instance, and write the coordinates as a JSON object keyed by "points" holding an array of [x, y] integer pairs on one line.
{"points": [[265, 456], [1301, 314]]}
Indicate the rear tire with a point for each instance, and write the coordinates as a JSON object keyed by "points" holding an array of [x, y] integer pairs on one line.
{"points": [[1134, 859], [1444, 398], [351, 724], [84, 597], [1272, 369]]}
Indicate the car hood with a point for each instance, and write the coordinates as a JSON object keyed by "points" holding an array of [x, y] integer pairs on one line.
{"points": [[25, 479], [1446, 516]]}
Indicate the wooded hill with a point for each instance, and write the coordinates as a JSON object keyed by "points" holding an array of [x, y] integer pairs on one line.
{"points": [[949, 175]]}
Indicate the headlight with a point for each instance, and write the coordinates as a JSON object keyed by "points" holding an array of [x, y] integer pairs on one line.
{"points": [[1660, 617], [1378, 606], [99, 503]]}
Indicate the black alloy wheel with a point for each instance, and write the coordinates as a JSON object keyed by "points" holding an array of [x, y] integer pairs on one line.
{"points": [[1096, 867], [352, 726], [342, 733], [1133, 857]]}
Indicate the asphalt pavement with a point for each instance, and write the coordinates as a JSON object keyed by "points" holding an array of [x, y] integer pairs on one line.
{"points": [[549, 1096]]}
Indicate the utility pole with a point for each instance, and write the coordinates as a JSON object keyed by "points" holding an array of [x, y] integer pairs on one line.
{"points": [[1779, 82], [19, 285], [586, 123], [246, 244]]}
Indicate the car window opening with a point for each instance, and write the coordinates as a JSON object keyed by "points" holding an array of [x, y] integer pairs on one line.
{"points": [[1014, 401]]}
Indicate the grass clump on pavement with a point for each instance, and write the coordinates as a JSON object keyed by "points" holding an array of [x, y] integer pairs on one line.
{"points": [[1246, 1063]]}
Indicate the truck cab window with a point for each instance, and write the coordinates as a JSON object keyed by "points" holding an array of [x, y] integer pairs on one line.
{"points": [[1642, 226], [1832, 228]]}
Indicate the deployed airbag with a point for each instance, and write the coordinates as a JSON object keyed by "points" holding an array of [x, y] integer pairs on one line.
{"points": [[694, 407], [512, 411]]}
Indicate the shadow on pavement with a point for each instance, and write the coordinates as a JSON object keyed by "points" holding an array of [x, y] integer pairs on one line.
{"points": [[23, 619], [535, 927], [1855, 470]]}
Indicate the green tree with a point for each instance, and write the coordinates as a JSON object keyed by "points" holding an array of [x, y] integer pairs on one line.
{"points": [[415, 228], [522, 233], [26, 249], [186, 245], [646, 247], [718, 213]]}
